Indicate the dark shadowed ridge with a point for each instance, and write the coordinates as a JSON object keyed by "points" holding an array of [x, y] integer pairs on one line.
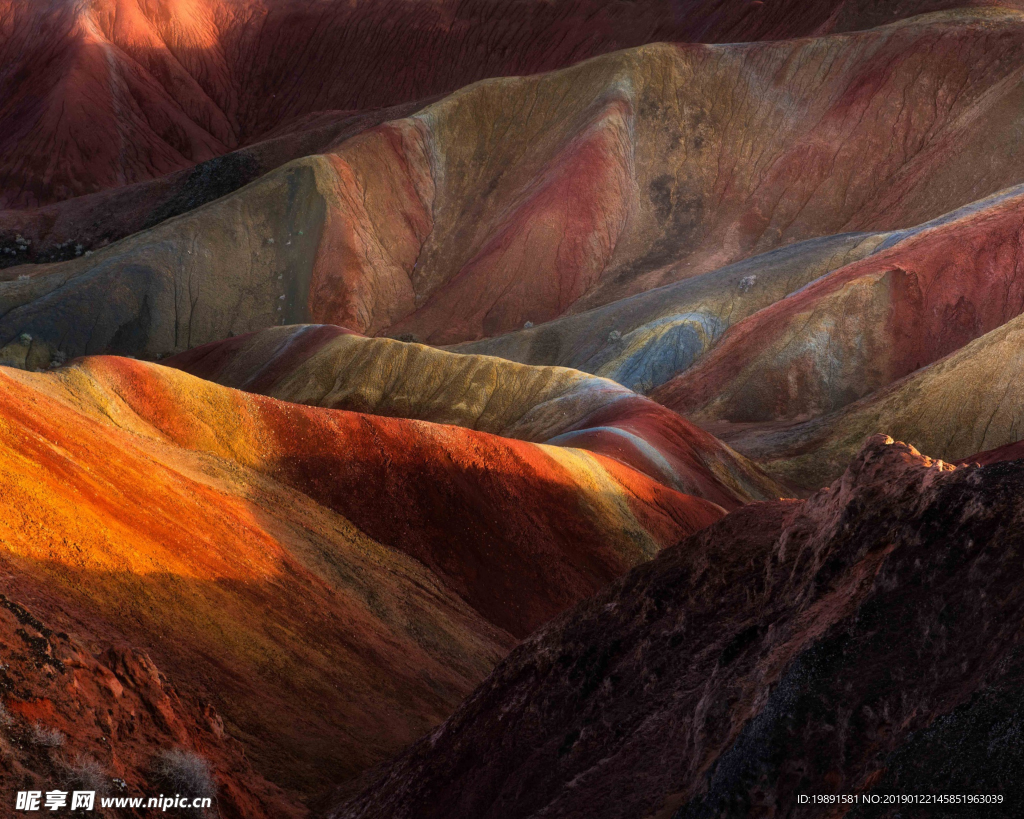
{"points": [[844, 644]]}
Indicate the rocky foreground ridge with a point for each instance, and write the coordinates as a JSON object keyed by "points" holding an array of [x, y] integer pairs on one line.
{"points": [[867, 640]]}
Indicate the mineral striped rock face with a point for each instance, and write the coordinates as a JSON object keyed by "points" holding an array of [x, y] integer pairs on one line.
{"points": [[494, 409], [519, 200], [327, 367], [99, 94]]}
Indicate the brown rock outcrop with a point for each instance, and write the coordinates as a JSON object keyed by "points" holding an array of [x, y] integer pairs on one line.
{"points": [[865, 641]]}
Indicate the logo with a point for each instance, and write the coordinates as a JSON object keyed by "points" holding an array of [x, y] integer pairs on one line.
{"points": [[53, 800]]}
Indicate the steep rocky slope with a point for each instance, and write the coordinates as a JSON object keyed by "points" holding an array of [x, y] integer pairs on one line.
{"points": [[86, 710], [864, 641]]}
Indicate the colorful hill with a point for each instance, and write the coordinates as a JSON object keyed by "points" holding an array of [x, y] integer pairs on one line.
{"points": [[71, 228], [609, 178], [346, 346], [646, 340], [857, 329], [391, 562], [102, 93], [849, 641], [328, 367], [967, 403]]}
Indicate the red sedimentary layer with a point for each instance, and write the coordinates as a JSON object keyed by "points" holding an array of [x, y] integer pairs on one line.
{"points": [[147, 508], [864, 326], [635, 431], [548, 252], [105, 93], [208, 360], [668, 448]]}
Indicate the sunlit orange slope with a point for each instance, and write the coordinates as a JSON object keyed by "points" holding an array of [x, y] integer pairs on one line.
{"points": [[333, 583], [326, 366]]}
